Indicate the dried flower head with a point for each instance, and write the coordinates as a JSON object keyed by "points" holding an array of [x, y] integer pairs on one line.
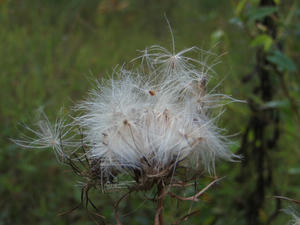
{"points": [[137, 123], [127, 128], [147, 124]]}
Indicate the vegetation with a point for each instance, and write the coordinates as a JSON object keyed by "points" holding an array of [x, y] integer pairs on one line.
{"points": [[51, 50]]}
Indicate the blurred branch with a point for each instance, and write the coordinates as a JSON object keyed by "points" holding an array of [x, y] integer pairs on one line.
{"points": [[288, 199], [186, 217]]}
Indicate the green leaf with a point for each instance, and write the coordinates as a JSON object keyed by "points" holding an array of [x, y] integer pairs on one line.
{"points": [[275, 104], [240, 6], [277, 2], [260, 13], [282, 61], [262, 40]]}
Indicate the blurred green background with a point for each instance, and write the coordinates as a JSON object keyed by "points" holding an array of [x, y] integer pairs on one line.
{"points": [[52, 50]]}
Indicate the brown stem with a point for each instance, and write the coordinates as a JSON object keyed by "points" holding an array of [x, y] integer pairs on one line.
{"points": [[186, 217], [195, 197], [117, 206], [159, 220], [287, 199], [181, 184]]}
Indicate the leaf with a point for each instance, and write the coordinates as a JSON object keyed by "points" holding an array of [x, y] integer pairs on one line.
{"points": [[262, 40], [282, 61], [260, 13], [240, 6], [275, 104], [277, 2]]}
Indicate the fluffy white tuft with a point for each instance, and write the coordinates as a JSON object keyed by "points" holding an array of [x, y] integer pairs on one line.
{"points": [[134, 119], [146, 120], [47, 135]]}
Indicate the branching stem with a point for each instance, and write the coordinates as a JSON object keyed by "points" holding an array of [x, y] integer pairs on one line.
{"points": [[196, 196]]}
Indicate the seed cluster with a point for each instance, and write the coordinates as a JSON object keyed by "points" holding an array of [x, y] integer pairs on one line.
{"points": [[151, 123]]}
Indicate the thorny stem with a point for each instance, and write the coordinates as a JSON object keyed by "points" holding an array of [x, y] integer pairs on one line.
{"points": [[262, 131]]}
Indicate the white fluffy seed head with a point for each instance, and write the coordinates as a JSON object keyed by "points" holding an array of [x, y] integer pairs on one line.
{"points": [[132, 120], [148, 119]]}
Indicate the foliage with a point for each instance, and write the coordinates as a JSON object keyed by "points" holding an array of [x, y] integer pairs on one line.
{"points": [[47, 50]]}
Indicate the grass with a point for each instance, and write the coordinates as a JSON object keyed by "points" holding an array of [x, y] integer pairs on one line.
{"points": [[51, 52]]}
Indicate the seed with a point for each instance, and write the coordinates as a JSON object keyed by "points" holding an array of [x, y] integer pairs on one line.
{"points": [[152, 93]]}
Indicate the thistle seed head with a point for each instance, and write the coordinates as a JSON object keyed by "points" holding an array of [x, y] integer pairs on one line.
{"points": [[145, 123]]}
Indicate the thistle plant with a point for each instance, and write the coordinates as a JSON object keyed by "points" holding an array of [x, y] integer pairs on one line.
{"points": [[149, 128]]}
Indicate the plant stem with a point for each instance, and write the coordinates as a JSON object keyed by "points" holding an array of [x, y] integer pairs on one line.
{"points": [[159, 219]]}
